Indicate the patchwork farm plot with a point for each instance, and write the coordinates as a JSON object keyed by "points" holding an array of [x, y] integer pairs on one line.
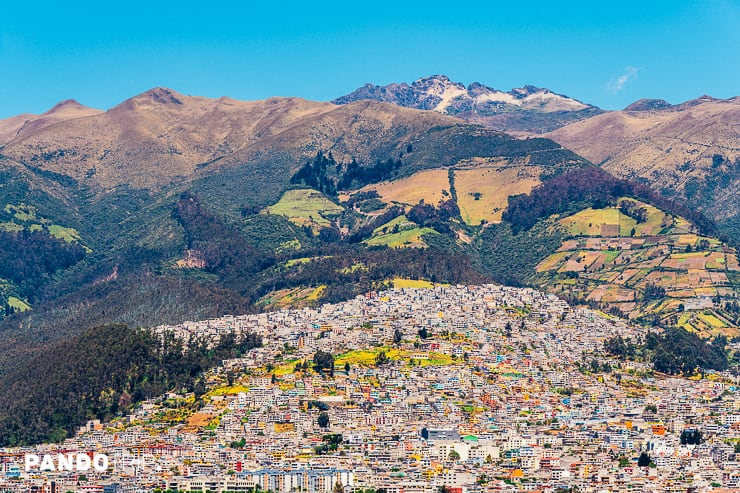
{"points": [[482, 187], [430, 185], [647, 265]]}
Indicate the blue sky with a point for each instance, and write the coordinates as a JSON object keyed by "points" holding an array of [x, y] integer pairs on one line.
{"points": [[605, 53]]}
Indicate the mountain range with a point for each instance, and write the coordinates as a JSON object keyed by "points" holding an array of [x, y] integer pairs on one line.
{"points": [[170, 207], [111, 181], [525, 109], [688, 150]]}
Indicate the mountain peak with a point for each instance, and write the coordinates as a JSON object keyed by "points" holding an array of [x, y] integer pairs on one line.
{"points": [[67, 103], [528, 90], [705, 98], [479, 103], [70, 107], [436, 77], [649, 105], [436, 81], [155, 97], [162, 95]]}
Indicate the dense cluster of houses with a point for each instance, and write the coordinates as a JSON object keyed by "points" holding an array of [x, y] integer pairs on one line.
{"points": [[478, 389]]}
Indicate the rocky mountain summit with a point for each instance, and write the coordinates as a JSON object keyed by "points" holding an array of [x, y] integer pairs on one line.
{"points": [[525, 109]]}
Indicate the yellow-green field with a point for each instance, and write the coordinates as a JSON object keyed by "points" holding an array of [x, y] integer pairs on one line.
{"points": [[591, 222], [31, 220], [18, 304], [298, 261], [711, 319], [70, 235], [366, 357], [483, 192], [400, 222], [302, 260], [427, 185], [305, 207], [597, 222], [399, 232], [292, 297], [230, 390], [411, 283]]}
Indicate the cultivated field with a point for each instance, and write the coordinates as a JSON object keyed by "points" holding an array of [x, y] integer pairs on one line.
{"points": [[483, 192], [411, 283], [292, 297], [432, 186], [661, 270], [305, 207], [399, 232]]}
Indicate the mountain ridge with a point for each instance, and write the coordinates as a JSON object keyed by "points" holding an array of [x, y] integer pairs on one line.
{"points": [[181, 207], [689, 151], [520, 109], [26, 124], [111, 179]]}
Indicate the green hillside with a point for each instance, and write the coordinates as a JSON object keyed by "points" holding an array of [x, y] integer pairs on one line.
{"points": [[299, 220]]}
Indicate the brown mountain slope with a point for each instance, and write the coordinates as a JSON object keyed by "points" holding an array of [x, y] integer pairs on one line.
{"points": [[690, 150], [18, 127], [161, 136]]}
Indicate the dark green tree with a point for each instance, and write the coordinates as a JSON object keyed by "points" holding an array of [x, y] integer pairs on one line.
{"points": [[644, 460], [323, 360], [381, 358]]}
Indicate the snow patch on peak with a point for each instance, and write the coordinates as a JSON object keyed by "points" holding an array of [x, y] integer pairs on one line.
{"points": [[449, 94], [432, 79], [523, 92], [549, 101], [439, 93], [497, 97]]}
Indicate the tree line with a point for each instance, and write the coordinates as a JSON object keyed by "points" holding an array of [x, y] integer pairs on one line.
{"points": [[102, 373], [675, 351], [30, 258], [325, 174], [590, 186]]}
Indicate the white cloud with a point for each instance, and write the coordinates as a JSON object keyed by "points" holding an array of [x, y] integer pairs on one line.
{"points": [[616, 85]]}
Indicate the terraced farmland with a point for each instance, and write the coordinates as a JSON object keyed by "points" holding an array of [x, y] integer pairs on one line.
{"points": [[655, 269]]}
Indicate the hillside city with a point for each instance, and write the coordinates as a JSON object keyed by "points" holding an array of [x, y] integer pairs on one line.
{"points": [[451, 388]]}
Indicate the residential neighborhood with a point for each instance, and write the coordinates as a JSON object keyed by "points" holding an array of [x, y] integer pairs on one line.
{"points": [[450, 388]]}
